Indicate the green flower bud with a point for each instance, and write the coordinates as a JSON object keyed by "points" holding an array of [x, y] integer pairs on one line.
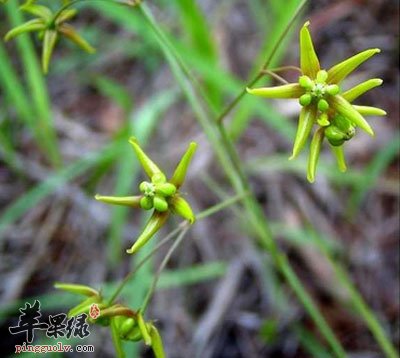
{"points": [[305, 99], [323, 105], [334, 135], [166, 189], [146, 203], [306, 82], [332, 89], [323, 120], [148, 189], [322, 76], [160, 204]]}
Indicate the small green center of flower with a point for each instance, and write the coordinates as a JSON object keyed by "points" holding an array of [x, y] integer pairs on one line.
{"points": [[148, 189], [317, 91]]}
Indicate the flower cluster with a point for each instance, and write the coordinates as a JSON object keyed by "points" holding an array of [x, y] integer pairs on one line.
{"points": [[324, 104], [50, 26], [158, 194], [128, 324]]}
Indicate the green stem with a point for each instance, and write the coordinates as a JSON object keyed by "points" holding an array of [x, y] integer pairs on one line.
{"points": [[160, 269], [267, 62], [116, 340]]}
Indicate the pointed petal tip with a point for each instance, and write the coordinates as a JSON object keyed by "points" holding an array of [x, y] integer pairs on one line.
{"points": [[307, 23], [310, 179]]}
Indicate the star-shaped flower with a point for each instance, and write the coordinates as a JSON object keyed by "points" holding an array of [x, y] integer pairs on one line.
{"points": [[159, 194], [50, 26], [323, 103]]}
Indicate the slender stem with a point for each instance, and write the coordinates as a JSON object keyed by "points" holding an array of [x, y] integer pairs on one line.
{"points": [[274, 75], [182, 226], [116, 339], [267, 62], [160, 269]]}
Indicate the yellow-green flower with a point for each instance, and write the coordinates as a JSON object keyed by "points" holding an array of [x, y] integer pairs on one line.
{"points": [[128, 324], [323, 103], [50, 26], [158, 194]]}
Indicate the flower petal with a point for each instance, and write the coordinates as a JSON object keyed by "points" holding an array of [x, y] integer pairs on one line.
{"points": [[355, 92], [148, 165], [66, 15], [181, 207], [75, 288], [291, 90], [132, 201], [309, 62], [156, 342], [369, 111], [339, 72], [306, 122], [339, 155], [315, 149], [344, 108], [29, 26], [70, 33], [155, 222], [49, 41], [143, 329], [38, 10], [181, 169]]}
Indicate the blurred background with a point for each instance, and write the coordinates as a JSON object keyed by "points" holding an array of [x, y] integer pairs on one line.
{"points": [[63, 138]]}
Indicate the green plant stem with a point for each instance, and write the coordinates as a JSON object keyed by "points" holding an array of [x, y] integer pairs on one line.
{"points": [[230, 162], [267, 62], [116, 340], [161, 268], [182, 226]]}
